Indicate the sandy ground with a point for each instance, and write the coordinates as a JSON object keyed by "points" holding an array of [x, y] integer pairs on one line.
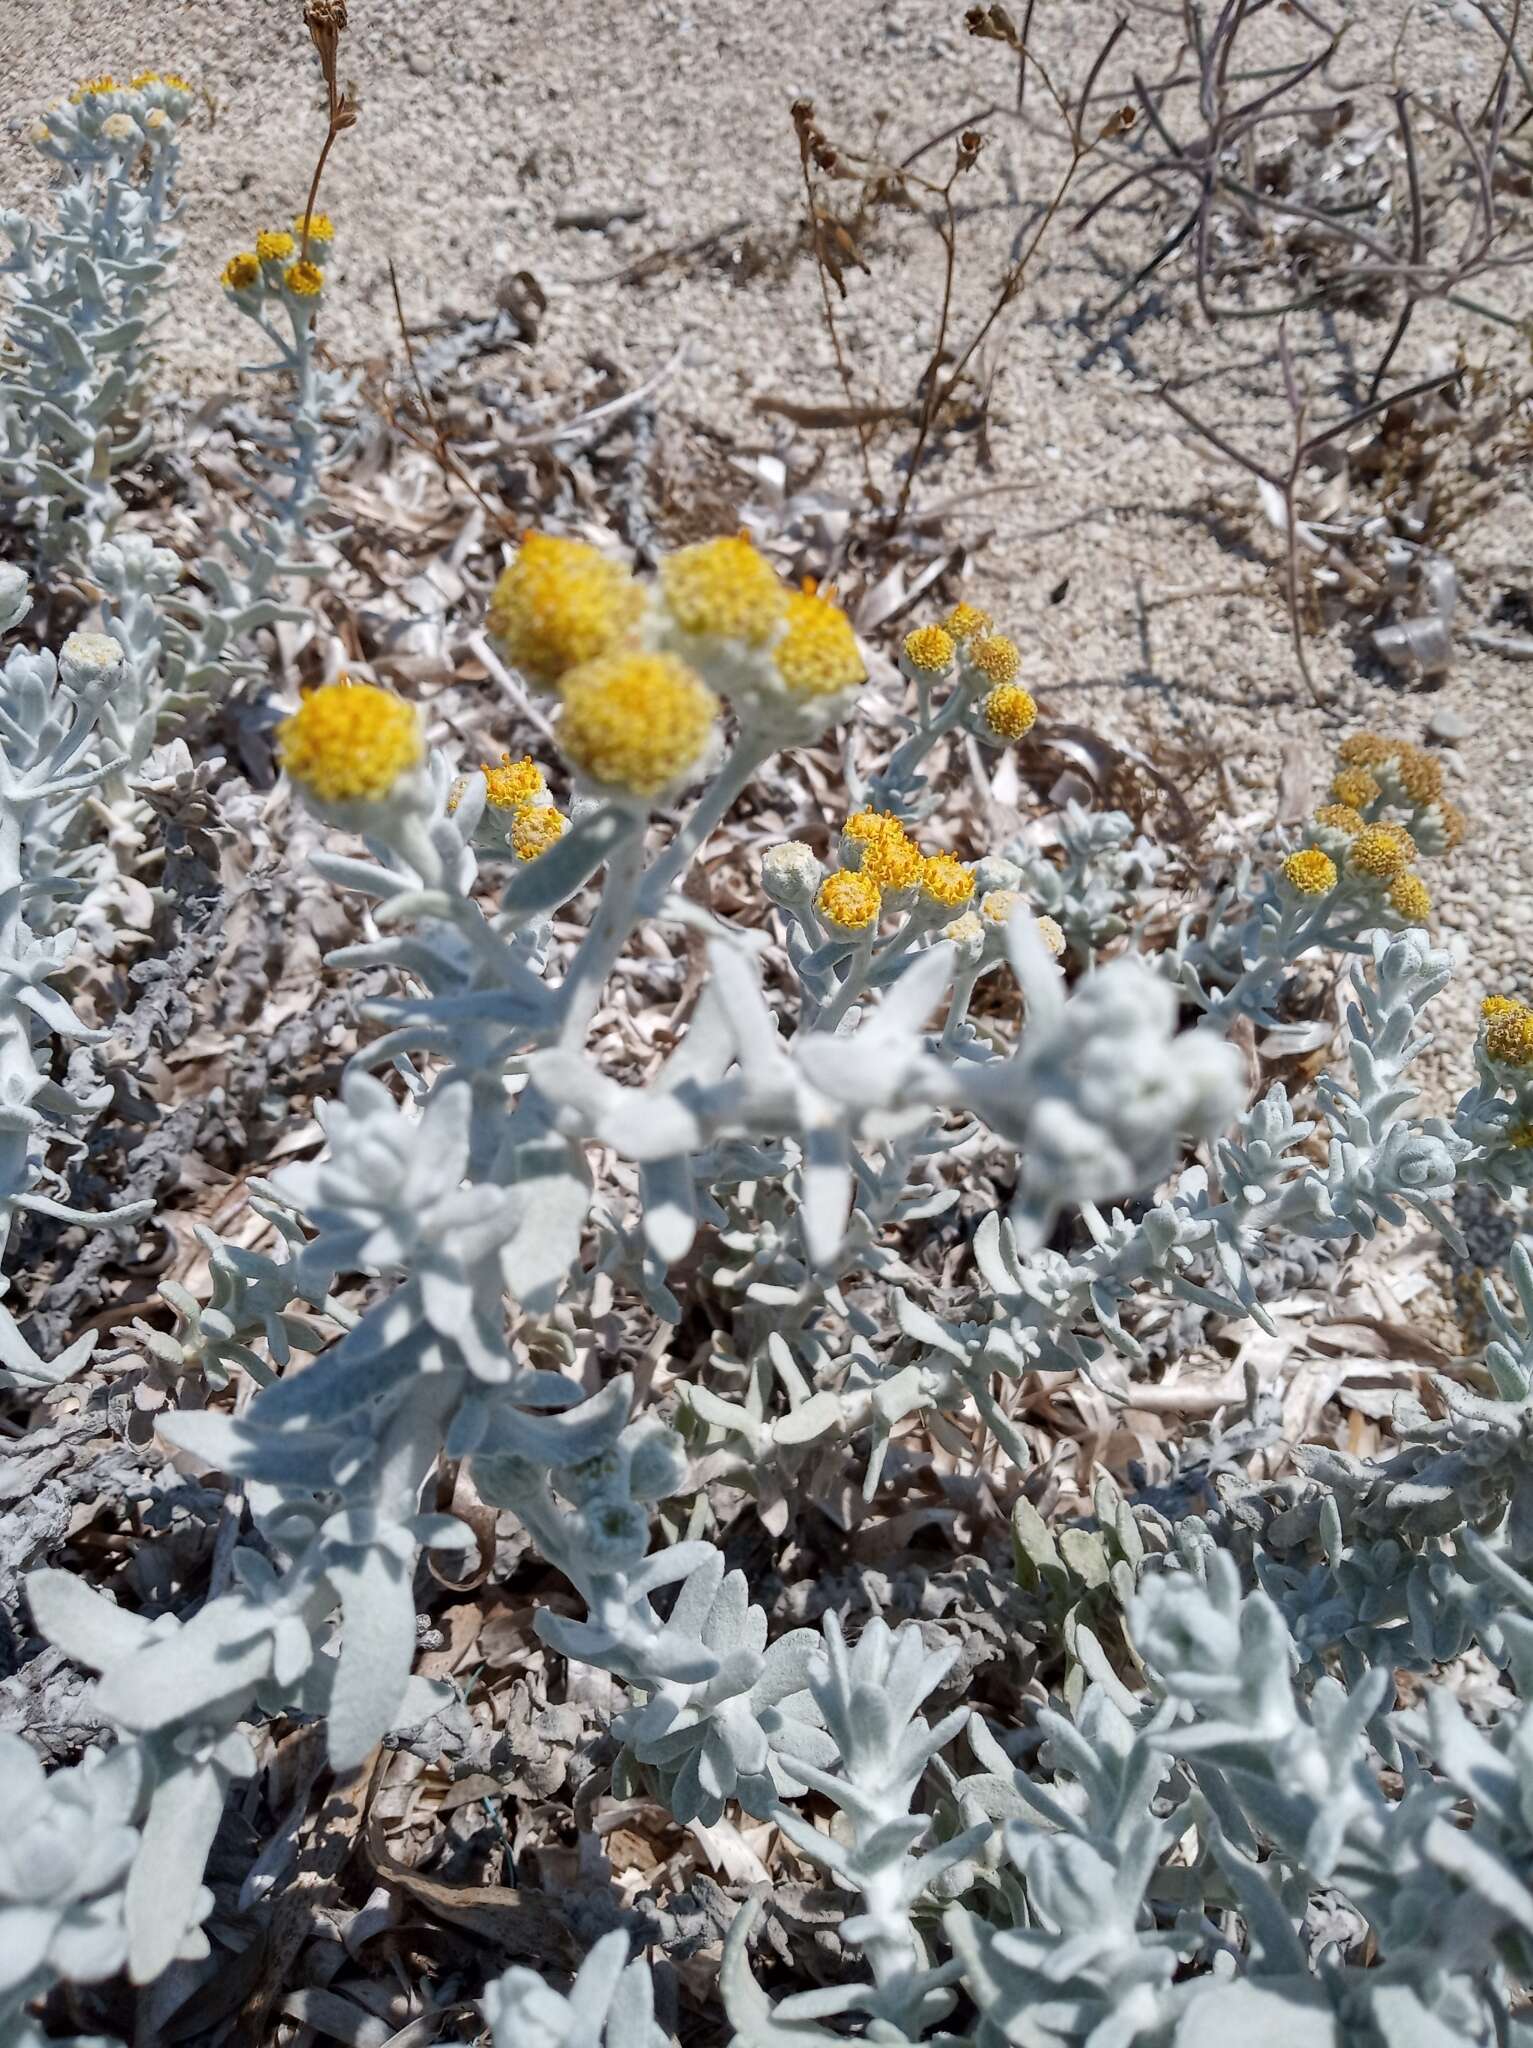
{"points": [[484, 122]]}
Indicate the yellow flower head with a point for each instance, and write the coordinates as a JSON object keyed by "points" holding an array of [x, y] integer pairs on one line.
{"points": [[724, 589], [119, 128], [1410, 898], [636, 723], [304, 280], [891, 861], [1051, 936], [1310, 872], [242, 273], [320, 226], [929, 650], [1509, 1037], [142, 78], [1354, 786], [175, 82], [275, 245], [1420, 774], [534, 830], [1500, 1006], [862, 828], [561, 602], [996, 906], [1366, 750], [1382, 852], [945, 882], [90, 88], [513, 783], [1340, 818], [965, 620], [848, 901], [998, 659], [156, 119], [350, 742], [817, 655], [1009, 711]]}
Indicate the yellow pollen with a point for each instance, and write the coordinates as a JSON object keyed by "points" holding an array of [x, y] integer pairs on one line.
{"points": [[635, 723], [1501, 1006], [1310, 871], [1341, 818], [92, 87], [1366, 750], [1354, 786], [1382, 852], [891, 862], [350, 742], [142, 78], [1410, 898], [965, 620], [305, 280], [862, 827], [930, 650], [241, 272], [535, 829], [561, 602], [513, 783], [321, 227], [848, 901], [997, 658], [1509, 1037], [945, 881], [275, 245], [817, 654], [1009, 711], [996, 906], [724, 589]]}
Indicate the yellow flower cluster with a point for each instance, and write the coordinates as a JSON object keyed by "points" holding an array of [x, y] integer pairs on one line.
{"points": [[1310, 872], [275, 264], [998, 659], [724, 590], [1373, 775], [929, 650], [965, 620], [817, 655], [876, 848], [1508, 1026], [1382, 852], [1355, 786], [636, 724], [1009, 710], [849, 901], [513, 783], [350, 742], [559, 603], [982, 663], [535, 828], [945, 882]]}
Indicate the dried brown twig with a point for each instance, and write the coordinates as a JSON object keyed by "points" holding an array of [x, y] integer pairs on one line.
{"points": [[326, 20]]}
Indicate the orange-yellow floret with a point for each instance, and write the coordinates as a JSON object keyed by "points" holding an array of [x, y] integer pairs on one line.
{"points": [[513, 783], [350, 742], [945, 882], [863, 827], [1310, 871], [142, 78], [724, 589], [304, 279], [320, 227], [848, 901], [1052, 936], [929, 650], [636, 723], [818, 654], [1451, 821], [996, 905], [91, 87], [1366, 750], [1010, 712], [998, 659], [1354, 786], [241, 273], [965, 620], [1500, 1006], [1509, 1037], [891, 861], [1381, 852], [275, 245], [1410, 898], [1341, 818], [534, 830], [560, 602], [1421, 775]]}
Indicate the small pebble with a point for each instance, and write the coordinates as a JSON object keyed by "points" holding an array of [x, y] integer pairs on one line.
{"points": [[1447, 727]]}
